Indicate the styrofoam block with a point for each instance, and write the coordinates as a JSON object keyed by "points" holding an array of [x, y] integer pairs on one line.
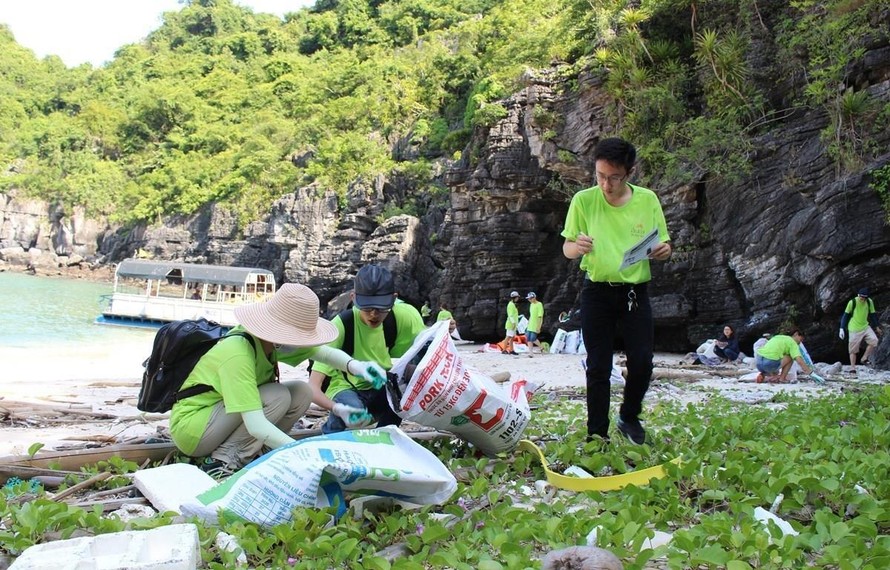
{"points": [[173, 547], [167, 487]]}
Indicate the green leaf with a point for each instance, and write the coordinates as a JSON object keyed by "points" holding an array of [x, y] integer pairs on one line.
{"points": [[34, 448], [712, 554]]}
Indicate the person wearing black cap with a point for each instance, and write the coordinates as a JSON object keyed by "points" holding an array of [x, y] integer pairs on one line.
{"points": [[861, 320], [374, 311]]}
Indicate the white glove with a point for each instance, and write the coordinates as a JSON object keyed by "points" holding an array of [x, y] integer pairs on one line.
{"points": [[351, 416], [841, 334], [368, 371]]}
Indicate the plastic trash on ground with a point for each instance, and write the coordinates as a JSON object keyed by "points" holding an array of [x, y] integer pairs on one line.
{"points": [[315, 472], [431, 386], [765, 516]]}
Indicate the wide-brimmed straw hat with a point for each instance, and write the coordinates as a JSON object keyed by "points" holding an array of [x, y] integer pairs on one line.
{"points": [[289, 317]]}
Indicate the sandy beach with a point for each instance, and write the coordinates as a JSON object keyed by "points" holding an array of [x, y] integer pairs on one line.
{"points": [[86, 396]]}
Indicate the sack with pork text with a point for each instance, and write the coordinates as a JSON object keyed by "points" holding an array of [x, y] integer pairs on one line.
{"points": [[431, 386]]}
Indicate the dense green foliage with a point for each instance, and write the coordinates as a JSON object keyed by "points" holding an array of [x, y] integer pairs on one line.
{"points": [[827, 457], [220, 104]]}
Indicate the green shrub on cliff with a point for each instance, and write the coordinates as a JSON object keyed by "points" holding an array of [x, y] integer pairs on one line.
{"points": [[215, 104]]}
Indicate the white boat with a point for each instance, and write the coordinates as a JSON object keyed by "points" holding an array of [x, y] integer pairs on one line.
{"points": [[151, 293]]}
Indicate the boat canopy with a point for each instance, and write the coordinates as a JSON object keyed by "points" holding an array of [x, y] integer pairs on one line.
{"points": [[191, 273]]}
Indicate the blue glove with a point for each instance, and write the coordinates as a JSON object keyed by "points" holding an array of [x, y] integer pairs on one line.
{"points": [[816, 378], [370, 372], [353, 417]]}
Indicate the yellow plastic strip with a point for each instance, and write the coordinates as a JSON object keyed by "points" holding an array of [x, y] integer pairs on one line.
{"points": [[611, 483]]}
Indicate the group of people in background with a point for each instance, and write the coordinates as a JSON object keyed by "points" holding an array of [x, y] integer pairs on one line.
{"points": [[533, 327], [775, 355]]}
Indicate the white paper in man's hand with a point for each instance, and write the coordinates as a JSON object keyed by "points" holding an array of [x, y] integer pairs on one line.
{"points": [[641, 250]]}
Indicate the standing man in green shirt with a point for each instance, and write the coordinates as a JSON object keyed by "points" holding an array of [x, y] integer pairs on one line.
{"points": [[861, 320], [602, 223], [535, 323], [774, 359], [374, 311], [511, 324]]}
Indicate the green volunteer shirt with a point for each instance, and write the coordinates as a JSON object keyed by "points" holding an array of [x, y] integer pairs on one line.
{"points": [[614, 230], [512, 317], [860, 311], [234, 371], [779, 346], [370, 344], [444, 315], [535, 317]]}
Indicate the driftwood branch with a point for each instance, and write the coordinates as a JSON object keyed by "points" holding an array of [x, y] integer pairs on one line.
{"points": [[97, 478]]}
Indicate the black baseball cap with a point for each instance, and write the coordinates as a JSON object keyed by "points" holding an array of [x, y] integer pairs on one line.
{"points": [[374, 288], [863, 292]]}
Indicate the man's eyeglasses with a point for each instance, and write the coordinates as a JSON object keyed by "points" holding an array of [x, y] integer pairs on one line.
{"points": [[372, 310], [614, 179]]}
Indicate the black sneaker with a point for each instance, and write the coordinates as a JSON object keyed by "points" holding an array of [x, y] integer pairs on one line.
{"points": [[632, 430], [215, 468]]}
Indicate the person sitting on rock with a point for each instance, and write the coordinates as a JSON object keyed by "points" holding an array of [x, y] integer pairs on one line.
{"points": [[727, 345]]}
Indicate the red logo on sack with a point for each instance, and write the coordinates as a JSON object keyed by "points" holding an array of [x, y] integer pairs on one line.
{"points": [[475, 416]]}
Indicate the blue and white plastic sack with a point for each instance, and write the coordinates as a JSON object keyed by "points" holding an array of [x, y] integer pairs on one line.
{"points": [[315, 472]]}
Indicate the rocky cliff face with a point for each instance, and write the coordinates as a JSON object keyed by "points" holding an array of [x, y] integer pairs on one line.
{"points": [[791, 242]]}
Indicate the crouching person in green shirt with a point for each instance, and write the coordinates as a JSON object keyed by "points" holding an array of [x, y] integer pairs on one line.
{"points": [[376, 329], [247, 408], [774, 359]]}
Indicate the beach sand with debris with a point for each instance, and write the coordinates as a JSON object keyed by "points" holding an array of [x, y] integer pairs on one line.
{"points": [[77, 398]]}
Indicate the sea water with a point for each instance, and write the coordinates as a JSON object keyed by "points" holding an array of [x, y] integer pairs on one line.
{"points": [[51, 312]]}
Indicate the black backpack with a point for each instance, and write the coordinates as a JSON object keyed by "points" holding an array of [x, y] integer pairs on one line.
{"points": [[177, 348]]}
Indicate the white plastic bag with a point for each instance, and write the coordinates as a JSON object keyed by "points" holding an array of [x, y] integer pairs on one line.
{"points": [[431, 386], [571, 343], [559, 342], [707, 348], [314, 472], [581, 348], [522, 326]]}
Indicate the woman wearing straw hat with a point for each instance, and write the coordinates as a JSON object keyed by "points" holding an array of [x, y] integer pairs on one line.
{"points": [[247, 408]]}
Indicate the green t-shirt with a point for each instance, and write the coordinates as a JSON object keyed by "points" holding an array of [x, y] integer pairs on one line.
{"points": [[535, 317], [370, 344], [614, 230], [444, 315], [234, 371], [860, 311], [512, 317], [779, 346]]}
